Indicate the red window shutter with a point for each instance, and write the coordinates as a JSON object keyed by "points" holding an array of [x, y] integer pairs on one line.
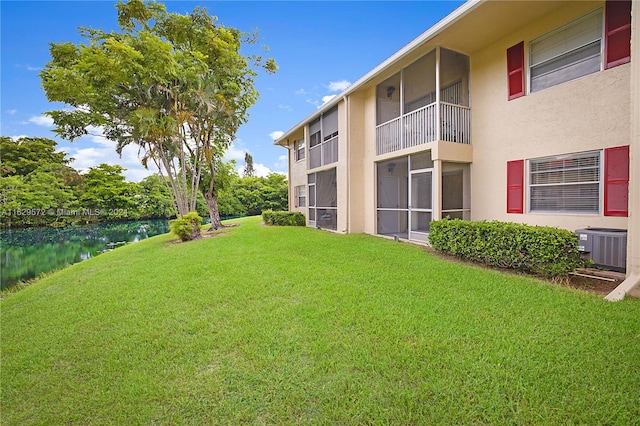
{"points": [[616, 181], [515, 186], [515, 70], [295, 151], [617, 31]]}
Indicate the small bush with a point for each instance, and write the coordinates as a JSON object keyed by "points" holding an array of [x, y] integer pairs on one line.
{"points": [[283, 218], [187, 226], [539, 250]]}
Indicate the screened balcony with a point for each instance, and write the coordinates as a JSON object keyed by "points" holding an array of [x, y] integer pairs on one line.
{"points": [[427, 101], [323, 139]]}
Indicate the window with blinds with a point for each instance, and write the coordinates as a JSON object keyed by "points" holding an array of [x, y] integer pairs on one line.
{"points": [[569, 183], [314, 132], [299, 149], [301, 196], [330, 124], [567, 53]]}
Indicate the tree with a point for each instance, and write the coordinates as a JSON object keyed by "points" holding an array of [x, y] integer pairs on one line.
{"points": [[24, 155], [35, 181], [252, 195], [153, 198], [276, 192], [107, 194], [248, 171], [175, 85]]}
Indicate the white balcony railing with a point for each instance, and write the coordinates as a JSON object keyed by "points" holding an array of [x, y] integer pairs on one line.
{"points": [[419, 127], [324, 153]]}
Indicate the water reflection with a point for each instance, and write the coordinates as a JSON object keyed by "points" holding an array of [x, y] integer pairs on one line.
{"points": [[27, 253]]}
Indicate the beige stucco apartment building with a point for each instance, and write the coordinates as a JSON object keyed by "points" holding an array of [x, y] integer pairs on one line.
{"points": [[513, 111]]}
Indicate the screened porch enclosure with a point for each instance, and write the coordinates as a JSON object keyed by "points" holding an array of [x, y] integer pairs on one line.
{"points": [[322, 198], [425, 102], [323, 139], [405, 196], [405, 189]]}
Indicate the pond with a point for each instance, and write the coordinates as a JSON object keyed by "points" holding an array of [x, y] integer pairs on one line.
{"points": [[28, 253]]}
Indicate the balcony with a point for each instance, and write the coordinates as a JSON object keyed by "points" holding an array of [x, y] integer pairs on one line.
{"points": [[324, 153], [425, 102], [420, 127]]}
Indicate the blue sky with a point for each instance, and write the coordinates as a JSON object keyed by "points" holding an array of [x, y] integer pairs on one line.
{"points": [[320, 47]]}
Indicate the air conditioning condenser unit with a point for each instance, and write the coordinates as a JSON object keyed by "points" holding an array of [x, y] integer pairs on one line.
{"points": [[607, 247]]}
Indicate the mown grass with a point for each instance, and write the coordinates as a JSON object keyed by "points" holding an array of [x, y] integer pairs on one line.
{"points": [[274, 325]]}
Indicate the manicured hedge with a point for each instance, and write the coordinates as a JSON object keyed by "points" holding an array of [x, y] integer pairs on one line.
{"points": [[534, 249], [283, 218]]}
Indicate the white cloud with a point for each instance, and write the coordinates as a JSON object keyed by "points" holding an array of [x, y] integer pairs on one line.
{"points": [[42, 120], [15, 138], [96, 133], [235, 152], [282, 162], [326, 99], [260, 170], [338, 86], [301, 92], [276, 135], [285, 107], [313, 102], [104, 152], [11, 111]]}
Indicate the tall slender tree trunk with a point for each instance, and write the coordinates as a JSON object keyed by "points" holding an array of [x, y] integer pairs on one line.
{"points": [[212, 206]]}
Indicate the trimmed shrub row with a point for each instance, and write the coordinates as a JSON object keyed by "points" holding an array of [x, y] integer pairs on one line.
{"points": [[538, 250], [283, 218]]}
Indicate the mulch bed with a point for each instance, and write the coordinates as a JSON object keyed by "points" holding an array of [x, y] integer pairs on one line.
{"points": [[594, 285]]}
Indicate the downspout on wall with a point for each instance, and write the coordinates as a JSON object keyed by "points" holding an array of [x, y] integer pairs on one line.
{"points": [[632, 282], [347, 229]]}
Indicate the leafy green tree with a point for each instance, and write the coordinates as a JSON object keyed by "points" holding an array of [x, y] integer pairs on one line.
{"points": [[12, 192], [107, 194], [34, 200], [276, 192], [48, 192], [175, 85], [35, 181], [253, 195], [153, 198], [228, 202], [24, 155]]}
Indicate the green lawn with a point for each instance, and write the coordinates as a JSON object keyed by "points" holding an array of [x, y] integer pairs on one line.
{"points": [[274, 325]]}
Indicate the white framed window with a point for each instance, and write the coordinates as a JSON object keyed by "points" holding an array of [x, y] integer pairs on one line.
{"points": [[299, 146], [566, 183], [572, 51], [301, 196]]}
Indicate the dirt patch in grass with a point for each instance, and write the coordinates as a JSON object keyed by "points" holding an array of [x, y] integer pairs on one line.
{"points": [[208, 233], [593, 285]]}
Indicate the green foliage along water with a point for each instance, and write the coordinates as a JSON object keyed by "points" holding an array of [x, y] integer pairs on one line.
{"points": [[39, 188], [28, 253]]}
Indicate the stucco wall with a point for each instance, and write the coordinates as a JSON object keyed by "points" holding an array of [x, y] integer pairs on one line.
{"points": [[297, 171], [368, 158], [355, 157], [589, 113], [342, 189]]}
